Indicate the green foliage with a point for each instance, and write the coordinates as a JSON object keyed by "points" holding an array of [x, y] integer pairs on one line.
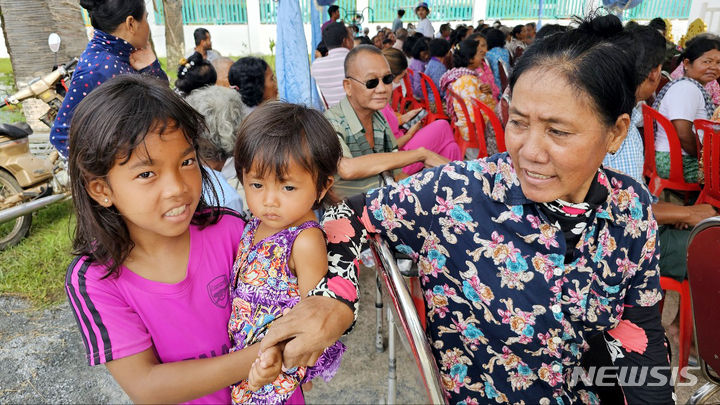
{"points": [[35, 268]]}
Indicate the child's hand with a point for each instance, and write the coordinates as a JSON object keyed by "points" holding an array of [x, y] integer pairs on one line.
{"points": [[266, 368]]}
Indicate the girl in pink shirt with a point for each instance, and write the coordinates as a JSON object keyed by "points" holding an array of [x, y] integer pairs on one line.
{"points": [[150, 284]]}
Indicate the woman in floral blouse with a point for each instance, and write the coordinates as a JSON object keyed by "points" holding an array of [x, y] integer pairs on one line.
{"points": [[536, 262]]}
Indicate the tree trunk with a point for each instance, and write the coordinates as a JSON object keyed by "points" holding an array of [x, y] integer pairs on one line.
{"points": [[26, 26], [174, 37]]}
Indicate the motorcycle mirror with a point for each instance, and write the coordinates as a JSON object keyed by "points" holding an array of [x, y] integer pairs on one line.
{"points": [[54, 42]]}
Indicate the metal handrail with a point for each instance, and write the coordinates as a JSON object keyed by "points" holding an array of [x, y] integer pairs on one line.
{"points": [[405, 313], [408, 319]]}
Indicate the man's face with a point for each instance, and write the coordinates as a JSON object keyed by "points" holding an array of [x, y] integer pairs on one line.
{"points": [[207, 42], [336, 15], [366, 67]]}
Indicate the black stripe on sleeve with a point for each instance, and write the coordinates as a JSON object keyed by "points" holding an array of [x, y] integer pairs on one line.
{"points": [[96, 316], [77, 309]]}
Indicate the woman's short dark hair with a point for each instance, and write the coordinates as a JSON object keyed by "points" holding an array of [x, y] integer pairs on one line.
{"points": [[458, 34], [107, 127], [409, 44], [658, 24], [439, 47], [195, 73], [322, 49], [106, 15], [698, 45], [248, 75], [420, 46], [591, 62], [517, 30], [549, 29], [278, 132], [495, 38], [647, 46], [464, 53]]}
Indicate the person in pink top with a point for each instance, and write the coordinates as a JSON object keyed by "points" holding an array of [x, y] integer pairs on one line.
{"points": [[437, 136], [149, 287]]}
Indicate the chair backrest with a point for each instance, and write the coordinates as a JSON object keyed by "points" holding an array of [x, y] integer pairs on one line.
{"points": [[502, 69], [397, 96], [704, 277], [475, 128], [504, 109], [676, 178], [709, 132], [408, 97], [425, 82], [518, 53], [497, 126]]}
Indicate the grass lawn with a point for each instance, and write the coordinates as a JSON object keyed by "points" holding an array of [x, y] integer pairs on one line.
{"points": [[35, 268]]}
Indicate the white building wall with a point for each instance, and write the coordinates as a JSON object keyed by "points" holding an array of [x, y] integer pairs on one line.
{"points": [[254, 38]]}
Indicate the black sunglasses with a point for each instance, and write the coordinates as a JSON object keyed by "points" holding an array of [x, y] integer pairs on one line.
{"points": [[372, 83]]}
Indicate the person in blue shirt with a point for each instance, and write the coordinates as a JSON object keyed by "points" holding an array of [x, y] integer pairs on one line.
{"points": [[435, 69], [120, 45], [497, 52]]}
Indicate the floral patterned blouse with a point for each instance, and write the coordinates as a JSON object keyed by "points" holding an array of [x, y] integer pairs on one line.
{"points": [[508, 319]]}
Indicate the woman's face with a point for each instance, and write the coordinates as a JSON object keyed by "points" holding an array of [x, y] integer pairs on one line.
{"points": [[271, 90], [141, 37], [477, 60], [555, 137], [704, 69]]}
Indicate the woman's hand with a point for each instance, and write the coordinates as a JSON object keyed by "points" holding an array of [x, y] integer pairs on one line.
{"points": [[266, 368], [142, 58], [308, 328], [408, 116], [485, 88]]}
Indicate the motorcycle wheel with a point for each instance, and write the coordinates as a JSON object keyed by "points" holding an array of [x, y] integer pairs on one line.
{"points": [[12, 232]]}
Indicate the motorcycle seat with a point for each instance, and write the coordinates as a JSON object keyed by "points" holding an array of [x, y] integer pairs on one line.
{"points": [[15, 131]]}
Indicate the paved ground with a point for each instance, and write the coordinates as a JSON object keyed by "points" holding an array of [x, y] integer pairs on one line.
{"points": [[42, 360]]}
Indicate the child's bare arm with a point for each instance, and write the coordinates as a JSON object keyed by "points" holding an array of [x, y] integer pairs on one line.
{"points": [[146, 380], [266, 368], [309, 259]]}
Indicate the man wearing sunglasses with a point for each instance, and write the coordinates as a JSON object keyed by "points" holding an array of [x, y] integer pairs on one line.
{"points": [[368, 144]]}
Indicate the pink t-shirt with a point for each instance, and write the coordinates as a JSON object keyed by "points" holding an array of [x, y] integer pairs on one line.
{"points": [[125, 315]]}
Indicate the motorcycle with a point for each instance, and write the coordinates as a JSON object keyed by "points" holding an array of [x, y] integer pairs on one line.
{"points": [[29, 183]]}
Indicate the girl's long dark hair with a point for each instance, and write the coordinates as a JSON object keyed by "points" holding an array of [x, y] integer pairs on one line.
{"points": [[106, 127]]}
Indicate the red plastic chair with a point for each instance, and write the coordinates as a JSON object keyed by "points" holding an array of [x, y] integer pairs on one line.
{"points": [[709, 132], [408, 100], [476, 139], [704, 276], [497, 126], [438, 114], [686, 323], [676, 181]]}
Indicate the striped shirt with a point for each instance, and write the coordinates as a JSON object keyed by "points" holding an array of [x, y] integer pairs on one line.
{"points": [[351, 132], [125, 315], [329, 73]]}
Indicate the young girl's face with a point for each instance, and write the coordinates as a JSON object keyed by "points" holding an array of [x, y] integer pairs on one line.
{"points": [[282, 203], [157, 190]]}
